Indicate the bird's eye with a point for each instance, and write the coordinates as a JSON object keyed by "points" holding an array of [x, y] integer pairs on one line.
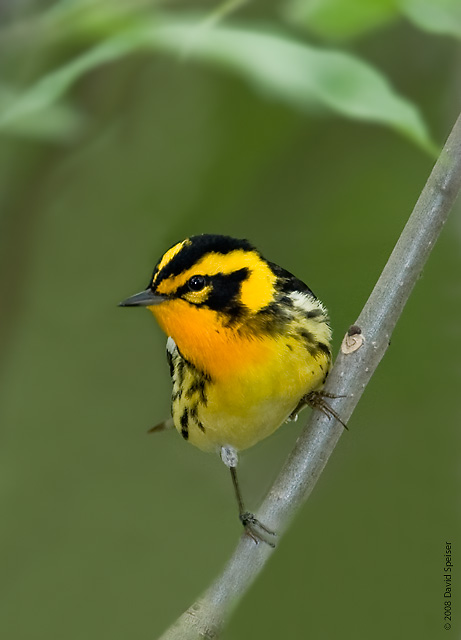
{"points": [[197, 283]]}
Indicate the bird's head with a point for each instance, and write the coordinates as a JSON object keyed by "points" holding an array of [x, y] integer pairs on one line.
{"points": [[207, 285]]}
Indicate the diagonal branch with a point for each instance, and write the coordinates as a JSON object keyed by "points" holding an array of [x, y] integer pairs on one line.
{"points": [[353, 369]]}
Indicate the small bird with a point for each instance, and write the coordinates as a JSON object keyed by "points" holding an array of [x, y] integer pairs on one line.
{"points": [[248, 347]]}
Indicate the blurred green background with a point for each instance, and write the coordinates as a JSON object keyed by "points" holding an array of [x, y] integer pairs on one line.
{"points": [[123, 129]]}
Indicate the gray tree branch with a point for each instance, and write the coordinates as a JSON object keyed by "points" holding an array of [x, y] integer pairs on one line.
{"points": [[349, 377]]}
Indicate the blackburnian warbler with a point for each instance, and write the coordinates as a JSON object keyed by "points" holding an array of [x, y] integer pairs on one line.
{"points": [[248, 346]]}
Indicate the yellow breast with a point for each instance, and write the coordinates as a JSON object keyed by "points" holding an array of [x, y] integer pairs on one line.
{"points": [[250, 405], [253, 383]]}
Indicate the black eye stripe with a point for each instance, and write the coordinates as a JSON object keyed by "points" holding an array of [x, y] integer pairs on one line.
{"points": [[198, 247], [224, 289]]}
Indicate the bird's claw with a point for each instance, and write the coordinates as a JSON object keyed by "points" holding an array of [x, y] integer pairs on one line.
{"points": [[252, 524]]}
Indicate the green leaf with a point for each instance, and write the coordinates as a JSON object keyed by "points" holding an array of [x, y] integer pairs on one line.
{"points": [[341, 19], [300, 74], [58, 123], [435, 16], [287, 70], [46, 91], [94, 18]]}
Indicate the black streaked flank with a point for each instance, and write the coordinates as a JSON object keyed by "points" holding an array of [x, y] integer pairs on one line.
{"points": [[185, 424], [315, 313], [324, 347], [287, 301], [169, 358], [194, 415], [198, 386], [310, 342], [177, 394], [272, 320], [190, 253], [180, 371], [307, 335]]}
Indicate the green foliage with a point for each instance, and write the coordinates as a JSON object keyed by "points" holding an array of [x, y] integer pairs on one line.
{"points": [[344, 19], [341, 19], [441, 17], [57, 122], [293, 72], [299, 74]]}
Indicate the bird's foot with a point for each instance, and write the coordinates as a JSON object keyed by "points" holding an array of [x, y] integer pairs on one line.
{"points": [[254, 529], [316, 400]]}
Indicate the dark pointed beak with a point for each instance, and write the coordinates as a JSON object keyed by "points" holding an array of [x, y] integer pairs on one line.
{"points": [[144, 299]]}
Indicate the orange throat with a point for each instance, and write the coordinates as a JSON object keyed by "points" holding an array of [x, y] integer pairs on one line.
{"points": [[203, 340]]}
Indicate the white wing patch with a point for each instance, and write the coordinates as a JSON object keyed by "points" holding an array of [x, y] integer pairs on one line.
{"points": [[306, 303], [171, 346]]}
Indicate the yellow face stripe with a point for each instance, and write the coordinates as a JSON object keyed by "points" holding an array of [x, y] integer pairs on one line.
{"points": [[197, 297], [170, 254], [256, 291]]}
